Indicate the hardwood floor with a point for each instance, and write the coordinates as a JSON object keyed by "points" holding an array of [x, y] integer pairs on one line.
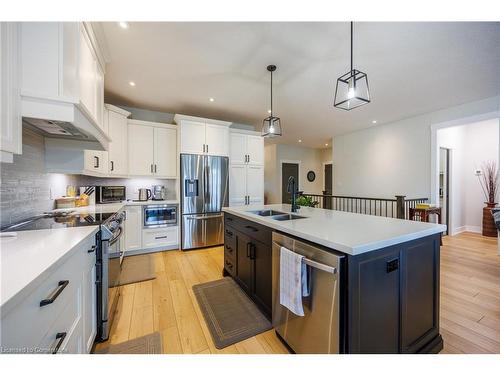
{"points": [[470, 294], [470, 301], [167, 304]]}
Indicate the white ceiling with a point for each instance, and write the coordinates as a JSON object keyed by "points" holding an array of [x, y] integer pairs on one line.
{"points": [[413, 68]]}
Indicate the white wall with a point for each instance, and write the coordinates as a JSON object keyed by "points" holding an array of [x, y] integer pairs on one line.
{"points": [[470, 146], [310, 159], [395, 158]]}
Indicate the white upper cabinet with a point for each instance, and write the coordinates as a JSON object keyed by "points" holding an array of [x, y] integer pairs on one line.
{"points": [[246, 148], [116, 123], [140, 150], [152, 149], [192, 137], [246, 168], [203, 136], [10, 106], [255, 150], [217, 139], [165, 152], [62, 75]]}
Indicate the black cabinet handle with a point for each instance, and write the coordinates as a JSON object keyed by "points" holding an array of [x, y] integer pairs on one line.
{"points": [[252, 251], [92, 249], [155, 168], [60, 287], [96, 164], [151, 168], [229, 248], [392, 265], [252, 228], [229, 218], [160, 237], [112, 165], [248, 249], [229, 233], [229, 265], [60, 339]]}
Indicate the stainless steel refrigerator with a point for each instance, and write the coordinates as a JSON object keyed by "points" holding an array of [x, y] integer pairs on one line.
{"points": [[204, 191]]}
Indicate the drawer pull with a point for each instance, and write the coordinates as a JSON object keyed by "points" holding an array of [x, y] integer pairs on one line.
{"points": [[229, 233], [60, 287], [229, 248], [252, 228], [160, 237], [92, 249], [229, 265], [60, 339], [229, 218]]}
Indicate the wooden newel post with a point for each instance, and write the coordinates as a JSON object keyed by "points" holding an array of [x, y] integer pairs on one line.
{"points": [[400, 206]]}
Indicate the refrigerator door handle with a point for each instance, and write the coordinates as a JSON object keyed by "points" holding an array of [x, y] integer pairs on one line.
{"points": [[204, 217]]}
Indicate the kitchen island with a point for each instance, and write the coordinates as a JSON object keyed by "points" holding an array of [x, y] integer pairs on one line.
{"points": [[388, 275]]}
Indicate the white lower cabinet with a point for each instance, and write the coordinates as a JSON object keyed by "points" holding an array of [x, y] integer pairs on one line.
{"points": [[158, 237], [133, 228], [65, 322]]}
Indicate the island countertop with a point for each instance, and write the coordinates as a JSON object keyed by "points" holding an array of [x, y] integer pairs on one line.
{"points": [[346, 232]]}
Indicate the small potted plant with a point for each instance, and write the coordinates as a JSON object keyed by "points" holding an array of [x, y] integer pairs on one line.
{"points": [[488, 179], [306, 201]]}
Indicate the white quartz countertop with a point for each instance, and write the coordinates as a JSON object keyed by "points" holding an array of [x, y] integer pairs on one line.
{"points": [[31, 255], [346, 232]]}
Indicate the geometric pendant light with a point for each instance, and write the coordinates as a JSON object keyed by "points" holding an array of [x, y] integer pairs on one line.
{"points": [[271, 126], [352, 88]]}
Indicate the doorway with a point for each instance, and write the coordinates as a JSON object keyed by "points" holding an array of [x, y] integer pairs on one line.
{"points": [[327, 184], [444, 185], [287, 170]]}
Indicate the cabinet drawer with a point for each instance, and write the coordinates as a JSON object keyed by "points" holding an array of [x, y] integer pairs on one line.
{"points": [[65, 330], [28, 322], [254, 230], [160, 237], [230, 266]]}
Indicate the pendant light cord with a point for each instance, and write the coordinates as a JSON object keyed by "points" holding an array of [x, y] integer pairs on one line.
{"points": [[271, 93], [351, 45]]}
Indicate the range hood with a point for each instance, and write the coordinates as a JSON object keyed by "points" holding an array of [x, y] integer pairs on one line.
{"points": [[65, 121]]}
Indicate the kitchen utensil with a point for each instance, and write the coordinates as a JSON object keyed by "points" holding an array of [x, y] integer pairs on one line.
{"points": [[144, 194]]}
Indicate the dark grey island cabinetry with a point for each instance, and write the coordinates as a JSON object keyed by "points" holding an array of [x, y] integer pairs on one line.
{"points": [[389, 296]]}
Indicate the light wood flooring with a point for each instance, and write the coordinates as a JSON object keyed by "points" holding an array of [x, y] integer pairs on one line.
{"points": [[470, 301]]}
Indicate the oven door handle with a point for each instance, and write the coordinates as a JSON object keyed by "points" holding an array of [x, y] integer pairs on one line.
{"points": [[116, 237]]}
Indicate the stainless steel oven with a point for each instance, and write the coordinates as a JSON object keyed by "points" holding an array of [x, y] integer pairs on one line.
{"points": [[160, 215], [110, 194]]}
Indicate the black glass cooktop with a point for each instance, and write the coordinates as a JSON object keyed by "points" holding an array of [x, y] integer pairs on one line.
{"points": [[64, 219]]}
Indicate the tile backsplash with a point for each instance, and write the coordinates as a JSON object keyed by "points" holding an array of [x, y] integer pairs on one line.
{"points": [[132, 185], [27, 190]]}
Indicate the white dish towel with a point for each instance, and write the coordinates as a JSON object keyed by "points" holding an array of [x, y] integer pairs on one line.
{"points": [[293, 281]]}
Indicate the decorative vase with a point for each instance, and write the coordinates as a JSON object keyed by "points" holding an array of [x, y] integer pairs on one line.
{"points": [[489, 228]]}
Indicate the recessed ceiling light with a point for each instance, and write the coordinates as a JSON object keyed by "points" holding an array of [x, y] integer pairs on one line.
{"points": [[123, 25], [300, 140], [132, 83], [268, 111], [374, 121], [212, 99], [326, 144]]}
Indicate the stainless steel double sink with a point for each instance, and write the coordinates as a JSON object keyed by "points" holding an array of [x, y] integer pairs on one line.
{"points": [[277, 215]]}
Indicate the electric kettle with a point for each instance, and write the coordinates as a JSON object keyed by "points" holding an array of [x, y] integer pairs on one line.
{"points": [[144, 194]]}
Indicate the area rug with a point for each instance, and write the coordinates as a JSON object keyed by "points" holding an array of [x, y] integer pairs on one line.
{"points": [[133, 270], [150, 344], [230, 315]]}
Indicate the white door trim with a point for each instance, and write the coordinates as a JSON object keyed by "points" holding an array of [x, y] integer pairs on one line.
{"points": [[435, 149], [281, 173]]}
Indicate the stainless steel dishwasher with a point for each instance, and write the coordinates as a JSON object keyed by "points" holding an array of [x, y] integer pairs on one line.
{"points": [[318, 330]]}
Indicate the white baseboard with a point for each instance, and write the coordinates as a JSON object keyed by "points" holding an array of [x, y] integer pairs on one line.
{"points": [[466, 228]]}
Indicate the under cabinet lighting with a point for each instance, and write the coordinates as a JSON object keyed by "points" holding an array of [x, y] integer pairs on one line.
{"points": [[300, 140], [326, 144], [212, 99], [374, 121], [123, 25], [132, 83]]}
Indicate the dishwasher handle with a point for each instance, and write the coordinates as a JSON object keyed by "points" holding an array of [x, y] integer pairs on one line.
{"points": [[320, 266]]}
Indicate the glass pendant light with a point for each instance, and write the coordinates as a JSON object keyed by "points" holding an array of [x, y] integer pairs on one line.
{"points": [[271, 126], [352, 88]]}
